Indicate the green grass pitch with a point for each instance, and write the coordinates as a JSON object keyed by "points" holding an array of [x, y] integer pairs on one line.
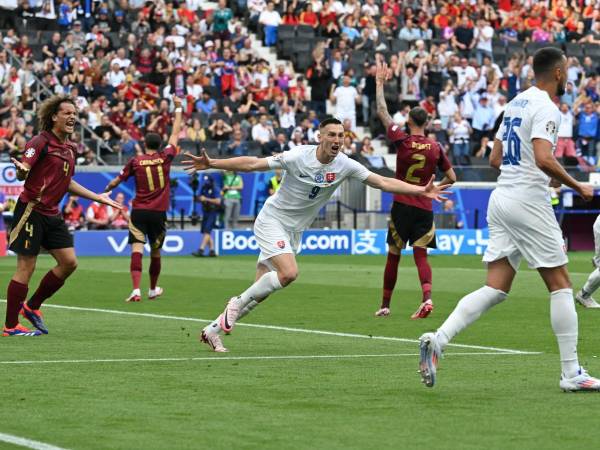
{"points": [[102, 380]]}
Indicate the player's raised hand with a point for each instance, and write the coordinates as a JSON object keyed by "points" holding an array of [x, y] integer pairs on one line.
{"points": [[436, 192], [195, 163], [382, 74], [105, 198], [586, 191], [22, 169], [177, 101]]}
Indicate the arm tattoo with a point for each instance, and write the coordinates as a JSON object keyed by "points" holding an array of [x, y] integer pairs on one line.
{"points": [[382, 110]]}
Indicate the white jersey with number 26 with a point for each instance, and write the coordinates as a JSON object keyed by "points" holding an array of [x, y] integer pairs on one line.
{"points": [[530, 115], [307, 185]]}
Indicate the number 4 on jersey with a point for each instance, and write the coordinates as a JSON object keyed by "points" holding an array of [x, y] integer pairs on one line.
{"points": [[512, 150]]}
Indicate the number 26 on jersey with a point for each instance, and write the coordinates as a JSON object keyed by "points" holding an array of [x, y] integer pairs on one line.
{"points": [[511, 143]]}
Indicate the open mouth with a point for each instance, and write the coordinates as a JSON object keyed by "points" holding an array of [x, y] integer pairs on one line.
{"points": [[335, 147], [71, 123]]}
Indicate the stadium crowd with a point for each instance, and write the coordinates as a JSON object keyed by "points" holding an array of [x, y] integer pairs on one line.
{"points": [[122, 60]]}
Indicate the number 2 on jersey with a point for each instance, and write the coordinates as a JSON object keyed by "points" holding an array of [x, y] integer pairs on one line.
{"points": [[161, 177], [314, 191], [511, 154], [418, 165]]}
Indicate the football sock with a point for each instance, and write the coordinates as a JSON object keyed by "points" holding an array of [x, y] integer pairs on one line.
{"points": [[250, 306], [264, 286], [48, 286], [467, 311], [390, 275], [154, 271], [592, 284], [135, 268], [424, 269], [564, 324], [15, 295]]}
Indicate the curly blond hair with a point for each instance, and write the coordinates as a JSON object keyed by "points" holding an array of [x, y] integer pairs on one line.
{"points": [[49, 108]]}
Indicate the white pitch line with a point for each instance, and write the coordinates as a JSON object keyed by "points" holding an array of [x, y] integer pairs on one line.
{"points": [[22, 442], [241, 358], [281, 328]]}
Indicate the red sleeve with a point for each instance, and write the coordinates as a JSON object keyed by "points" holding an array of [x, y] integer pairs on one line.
{"points": [[396, 133], [443, 163], [171, 151], [33, 150], [127, 171]]}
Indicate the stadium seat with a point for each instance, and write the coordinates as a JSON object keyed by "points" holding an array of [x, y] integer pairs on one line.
{"points": [[254, 148], [592, 50], [574, 49], [398, 45], [305, 32], [286, 32], [212, 148], [187, 145]]}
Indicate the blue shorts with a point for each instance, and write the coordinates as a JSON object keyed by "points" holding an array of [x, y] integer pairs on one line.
{"points": [[208, 221]]}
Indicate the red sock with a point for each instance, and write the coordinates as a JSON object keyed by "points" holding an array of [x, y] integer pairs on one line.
{"points": [[424, 269], [15, 295], [136, 269], [48, 286], [154, 271], [389, 278]]}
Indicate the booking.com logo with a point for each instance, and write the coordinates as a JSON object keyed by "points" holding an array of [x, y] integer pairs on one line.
{"points": [[232, 241]]}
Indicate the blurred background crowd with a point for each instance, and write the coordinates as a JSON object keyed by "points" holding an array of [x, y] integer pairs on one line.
{"points": [[258, 76]]}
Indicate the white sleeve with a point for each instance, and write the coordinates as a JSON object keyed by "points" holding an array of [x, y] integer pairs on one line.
{"points": [[545, 124], [357, 170], [284, 160]]}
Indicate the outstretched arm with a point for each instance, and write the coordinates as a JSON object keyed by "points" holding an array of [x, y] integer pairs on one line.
{"points": [[239, 164], [174, 138], [77, 189], [400, 187], [381, 77], [449, 177], [113, 184]]}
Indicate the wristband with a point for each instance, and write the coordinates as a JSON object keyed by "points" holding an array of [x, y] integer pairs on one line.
{"points": [[178, 110]]}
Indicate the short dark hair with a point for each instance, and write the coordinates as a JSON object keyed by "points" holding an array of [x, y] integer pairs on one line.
{"points": [[153, 141], [418, 115], [329, 121], [545, 60]]}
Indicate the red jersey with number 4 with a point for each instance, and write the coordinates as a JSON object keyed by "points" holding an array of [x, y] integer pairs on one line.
{"points": [[417, 159], [151, 172], [52, 165]]}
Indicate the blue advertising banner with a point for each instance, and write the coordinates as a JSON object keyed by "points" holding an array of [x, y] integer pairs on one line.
{"points": [[314, 242]]}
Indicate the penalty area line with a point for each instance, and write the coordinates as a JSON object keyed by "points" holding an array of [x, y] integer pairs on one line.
{"points": [[244, 358], [28, 443], [282, 328]]}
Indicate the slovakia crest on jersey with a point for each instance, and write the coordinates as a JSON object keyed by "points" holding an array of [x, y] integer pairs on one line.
{"points": [[319, 178], [281, 244], [330, 177]]}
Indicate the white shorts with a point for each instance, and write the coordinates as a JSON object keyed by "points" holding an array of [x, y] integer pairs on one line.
{"points": [[273, 239], [519, 229]]}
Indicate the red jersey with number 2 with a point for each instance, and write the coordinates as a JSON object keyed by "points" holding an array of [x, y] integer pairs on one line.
{"points": [[152, 178], [417, 159]]}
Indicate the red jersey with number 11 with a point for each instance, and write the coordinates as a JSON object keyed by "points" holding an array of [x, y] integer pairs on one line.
{"points": [[417, 159], [152, 178]]}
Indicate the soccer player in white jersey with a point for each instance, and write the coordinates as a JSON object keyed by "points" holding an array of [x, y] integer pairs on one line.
{"points": [[584, 296], [312, 173], [522, 223]]}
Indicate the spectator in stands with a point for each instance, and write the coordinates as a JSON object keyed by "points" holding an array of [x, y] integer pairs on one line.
{"points": [[565, 145], [460, 132], [206, 104], [119, 219], [278, 145], [308, 16], [440, 134], [220, 130], [345, 98], [485, 148], [275, 182], [587, 130], [463, 39], [319, 80], [98, 216], [263, 131], [211, 205], [449, 218], [237, 147], [409, 32], [128, 146], [232, 198], [196, 133], [483, 118], [73, 213], [348, 146], [271, 20], [221, 18]]}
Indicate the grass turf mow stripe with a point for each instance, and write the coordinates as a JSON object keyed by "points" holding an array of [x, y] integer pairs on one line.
{"points": [[281, 328]]}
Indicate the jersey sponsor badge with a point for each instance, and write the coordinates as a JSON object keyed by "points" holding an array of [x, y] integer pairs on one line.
{"points": [[330, 177], [30, 152], [281, 244], [551, 127], [319, 178]]}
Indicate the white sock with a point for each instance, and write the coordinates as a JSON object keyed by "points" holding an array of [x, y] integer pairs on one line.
{"points": [[467, 311], [564, 324], [262, 288], [250, 306], [592, 284], [136, 292]]}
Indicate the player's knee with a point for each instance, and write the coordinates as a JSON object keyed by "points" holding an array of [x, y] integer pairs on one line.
{"points": [[69, 266], [288, 276]]}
